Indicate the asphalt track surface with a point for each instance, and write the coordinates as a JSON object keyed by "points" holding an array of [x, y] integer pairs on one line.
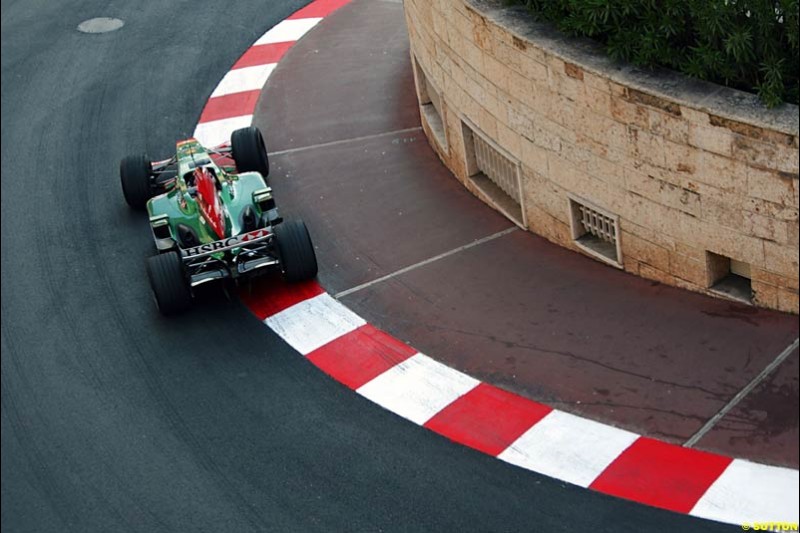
{"points": [[114, 419]]}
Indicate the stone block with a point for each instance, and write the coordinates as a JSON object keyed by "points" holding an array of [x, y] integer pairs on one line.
{"points": [[523, 90], [722, 173], [606, 170], [668, 126], [793, 234], [532, 69], [781, 259], [695, 116], [497, 108], [573, 71], [552, 229], [771, 186], [688, 269], [546, 195], [648, 214], [680, 158], [681, 248], [646, 147], [645, 251], [520, 122], [663, 192], [788, 301], [603, 130], [721, 209], [598, 101], [509, 140], [596, 82], [648, 234], [565, 114], [508, 56], [472, 55], [629, 114], [495, 72], [765, 227], [765, 276], [711, 139], [653, 101], [560, 83], [765, 295], [752, 131], [486, 122], [649, 272], [765, 155], [533, 156], [546, 135], [577, 155]]}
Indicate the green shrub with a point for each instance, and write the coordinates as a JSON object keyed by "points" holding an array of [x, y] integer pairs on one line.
{"points": [[746, 44]]}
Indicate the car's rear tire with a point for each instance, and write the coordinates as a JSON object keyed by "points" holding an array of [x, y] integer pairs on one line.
{"points": [[135, 172], [298, 259], [249, 152], [168, 282]]}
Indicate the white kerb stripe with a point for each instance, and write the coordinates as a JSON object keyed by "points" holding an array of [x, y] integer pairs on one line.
{"points": [[568, 447], [288, 30], [313, 323], [748, 492], [219, 131], [244, 79], [418, 388]]}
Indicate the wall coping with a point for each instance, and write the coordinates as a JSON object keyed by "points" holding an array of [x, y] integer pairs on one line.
{"points": [[714, 99]]}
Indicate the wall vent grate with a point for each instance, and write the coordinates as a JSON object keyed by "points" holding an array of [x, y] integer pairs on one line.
{"points": [[430, 106], [498, 168], [596, 231], [494, 172]]}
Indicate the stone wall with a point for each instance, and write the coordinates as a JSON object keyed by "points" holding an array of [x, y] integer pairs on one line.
{"points": [[687, 181]]}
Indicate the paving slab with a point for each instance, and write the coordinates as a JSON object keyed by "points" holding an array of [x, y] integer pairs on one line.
{"points": [[763, 426], [304, 104], [379, 205]]}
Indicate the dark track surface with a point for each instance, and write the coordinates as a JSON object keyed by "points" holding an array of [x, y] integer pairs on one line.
{"points": [[116, 420]]}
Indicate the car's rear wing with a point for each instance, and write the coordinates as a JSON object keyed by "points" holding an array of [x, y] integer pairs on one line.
{"points": [[222, 245]]}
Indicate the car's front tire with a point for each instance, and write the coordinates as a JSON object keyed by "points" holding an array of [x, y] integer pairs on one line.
{"points": [[249, 151], [168, 283], [135, 172], [298, 259]]}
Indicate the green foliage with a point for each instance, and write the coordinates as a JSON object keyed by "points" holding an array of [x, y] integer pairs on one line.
{"points": [[747, 44]]}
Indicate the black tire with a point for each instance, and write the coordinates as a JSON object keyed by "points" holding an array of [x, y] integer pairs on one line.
{"points": [[249, 151], [168, 282], [135, 172], [298, 259]]}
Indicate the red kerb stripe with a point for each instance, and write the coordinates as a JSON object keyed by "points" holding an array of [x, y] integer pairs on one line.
{"points": [[263, 54], [661, 474], [270, 295], [230, 105], [319, 9], [360, 356], [487, 418]]}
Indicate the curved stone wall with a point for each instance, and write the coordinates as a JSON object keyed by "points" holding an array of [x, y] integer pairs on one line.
{"points": [[675, 180]]}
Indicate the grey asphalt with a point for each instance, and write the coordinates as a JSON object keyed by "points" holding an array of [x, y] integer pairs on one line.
{"points": [[116, 420]]}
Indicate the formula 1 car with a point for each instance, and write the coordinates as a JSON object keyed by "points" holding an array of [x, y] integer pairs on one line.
{"points": [[212, 220]]}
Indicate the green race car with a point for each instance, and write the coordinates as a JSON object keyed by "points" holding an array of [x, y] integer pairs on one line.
{"points": [[213, 217]]}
